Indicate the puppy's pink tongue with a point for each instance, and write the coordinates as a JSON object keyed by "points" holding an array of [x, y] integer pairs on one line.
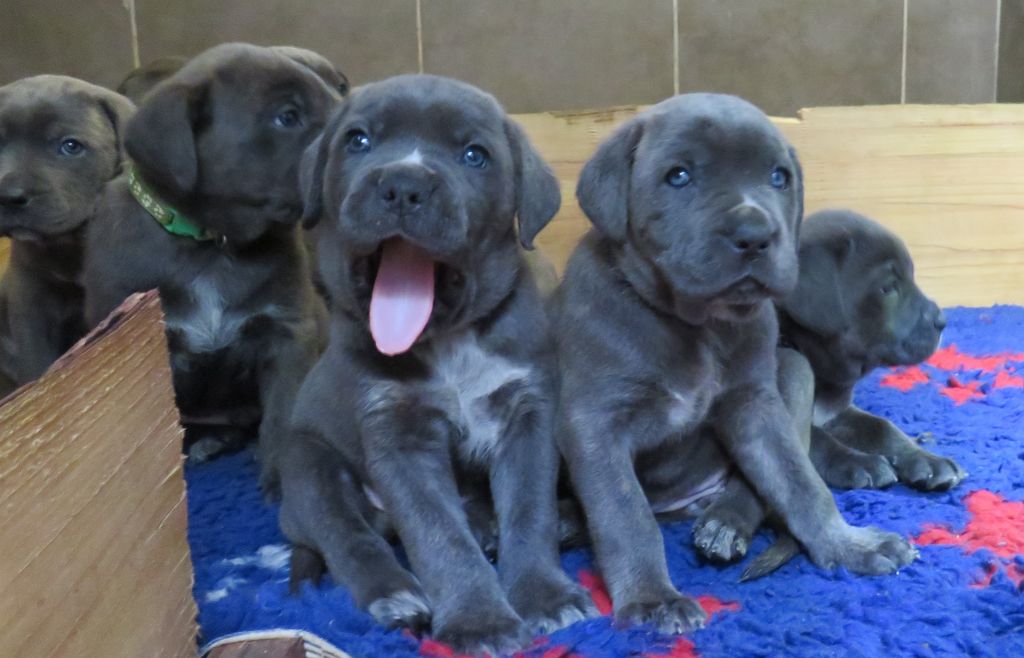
{"points": [[403, 296]]}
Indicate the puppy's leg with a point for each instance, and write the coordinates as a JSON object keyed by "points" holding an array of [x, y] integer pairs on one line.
{"points": [[627, 542], [320, 516], [724, 530], [408, 456], [847, 468], [759, 432], [914, 465], [524, 475], [286, 362]]}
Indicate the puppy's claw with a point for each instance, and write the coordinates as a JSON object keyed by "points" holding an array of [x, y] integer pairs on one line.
{"points": [[718, 540], [866, 551]]}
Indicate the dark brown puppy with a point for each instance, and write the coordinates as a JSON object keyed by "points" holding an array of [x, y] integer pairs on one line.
{"points": [[667, 341], [60, 142], [218, 145], [856, 308], [439, 375], [137, 83]]}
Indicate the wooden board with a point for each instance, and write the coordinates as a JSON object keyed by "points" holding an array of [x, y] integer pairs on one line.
{"points": [[94, 559], [948, 179], [5, 253]]}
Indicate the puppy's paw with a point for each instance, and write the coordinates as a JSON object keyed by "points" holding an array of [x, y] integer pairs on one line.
{"points": [[860, 470], [206, 448], [719, 539], [493, 633], [550, 602], [402, 609], [929, 472], [677, 614], [867, 551]]}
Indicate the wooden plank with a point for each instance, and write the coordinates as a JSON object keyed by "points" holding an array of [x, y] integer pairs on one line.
{"points": [[94, 559], [948, 179], [284, 648], [5, 253]]}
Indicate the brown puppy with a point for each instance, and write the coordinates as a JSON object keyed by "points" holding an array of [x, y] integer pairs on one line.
{"points": [[60, 141], [209, 215]]}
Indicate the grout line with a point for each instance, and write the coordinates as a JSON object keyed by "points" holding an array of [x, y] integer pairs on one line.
{"points": [[999, 30], [419, 34], [903, 64], [130, 6], [675, 47]]}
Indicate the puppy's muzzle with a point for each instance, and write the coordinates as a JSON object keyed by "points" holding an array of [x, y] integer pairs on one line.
{"points": [[14, 193], [749, 232]]}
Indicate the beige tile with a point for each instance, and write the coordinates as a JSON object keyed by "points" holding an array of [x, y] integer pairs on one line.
{"points": [[787, 54], [553, 54], [88, 39], [951, 55], [366, 40], [1011, 52]]}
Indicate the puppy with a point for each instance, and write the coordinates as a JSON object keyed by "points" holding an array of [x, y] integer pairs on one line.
{"points": [[855, 308], [666, 332], [439, 375], [60, 142], [143, 78], [209, 214]]}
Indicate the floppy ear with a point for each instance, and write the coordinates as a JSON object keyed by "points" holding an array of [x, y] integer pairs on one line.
{"points": [[161, 136], [312, 168], [603, 188], [818, 303], [118, 111], [538, 196]]}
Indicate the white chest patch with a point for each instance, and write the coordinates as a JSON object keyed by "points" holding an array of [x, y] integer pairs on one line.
{"points": [[206, 323], [472, 374]]}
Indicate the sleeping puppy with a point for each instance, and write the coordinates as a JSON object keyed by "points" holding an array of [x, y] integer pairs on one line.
{"points": [[856, 308], [209, 214], [438, 377], [60, 142], [667, 334], [143, 78]]}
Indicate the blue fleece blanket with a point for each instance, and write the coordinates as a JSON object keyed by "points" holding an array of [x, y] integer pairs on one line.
{"points": [[963, 597]]}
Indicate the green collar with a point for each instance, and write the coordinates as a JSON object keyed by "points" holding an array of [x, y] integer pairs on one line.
{"points": [[172, 220]]}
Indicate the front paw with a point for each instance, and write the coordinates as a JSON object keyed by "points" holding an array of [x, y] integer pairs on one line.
{"points": [[483, 632], [674, 614], [867, 551], [860, 470], [550, 602], [929, 472], [720, 539], [402, 609]]}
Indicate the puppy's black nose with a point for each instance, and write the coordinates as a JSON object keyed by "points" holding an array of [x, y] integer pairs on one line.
{"points": [[405, 190], [752, 238], [13, 196]]}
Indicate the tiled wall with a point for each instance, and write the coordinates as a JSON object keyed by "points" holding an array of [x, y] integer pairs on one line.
{"points": [[564, 54]]}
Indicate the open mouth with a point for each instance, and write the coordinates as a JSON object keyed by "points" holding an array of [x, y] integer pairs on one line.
{"points": [[746, 291], [407, 287]]}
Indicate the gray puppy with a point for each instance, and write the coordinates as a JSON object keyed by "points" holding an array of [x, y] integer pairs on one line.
{"points": [[439, 375], [209, 215], [60, 142], [856, 308], [665, 325]]}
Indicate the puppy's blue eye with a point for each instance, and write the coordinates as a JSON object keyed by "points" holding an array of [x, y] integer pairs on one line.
{"points": [[475, 156], [71, 147], [780, 178], [287, 119], [357, 142], [678, 177]]}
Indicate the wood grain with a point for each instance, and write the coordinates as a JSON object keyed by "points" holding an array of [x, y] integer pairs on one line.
{"points": [[5, 253], [94, 559], [949, 179]]}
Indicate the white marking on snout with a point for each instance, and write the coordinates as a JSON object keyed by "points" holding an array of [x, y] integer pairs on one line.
{"points": [[413, 158], [748, 202], [206, 321]]}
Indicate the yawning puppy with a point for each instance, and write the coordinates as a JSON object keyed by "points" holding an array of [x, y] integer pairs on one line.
{"points": [[667, 334], [209, 214], [856, 307], [60, 142], [439, 372]]}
